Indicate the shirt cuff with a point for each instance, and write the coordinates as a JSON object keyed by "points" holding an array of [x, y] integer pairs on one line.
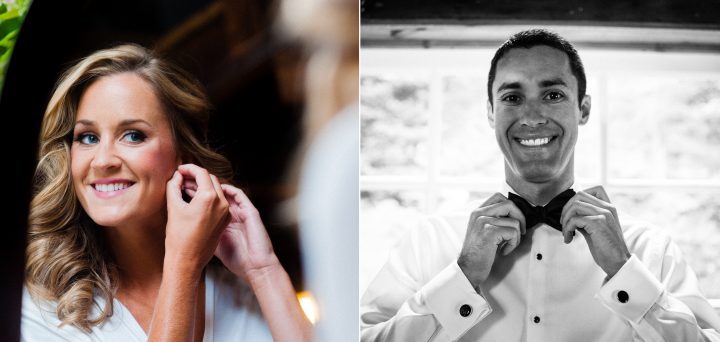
{"points": [[454, 302], [632, 291]]}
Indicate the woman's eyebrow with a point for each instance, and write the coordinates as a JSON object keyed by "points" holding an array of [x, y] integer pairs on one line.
{"points": [[85, 122], [130, 122]]}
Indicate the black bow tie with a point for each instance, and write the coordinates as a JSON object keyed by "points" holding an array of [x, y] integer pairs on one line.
{"points": [[549, 214]]}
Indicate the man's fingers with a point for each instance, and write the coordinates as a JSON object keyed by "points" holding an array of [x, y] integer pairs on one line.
{"points": [[495, 198], [574, 223], [518, 215], [508, 238], [583, 196], [568, 229], [598, 192], [578, 207], [503, 222], [505, 208]]}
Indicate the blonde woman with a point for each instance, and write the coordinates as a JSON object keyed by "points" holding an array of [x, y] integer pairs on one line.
{"points": [[129, 208]]}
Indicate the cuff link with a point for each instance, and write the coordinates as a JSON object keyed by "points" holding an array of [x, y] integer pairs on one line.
{"points": [[623, 297], [465, 310]]}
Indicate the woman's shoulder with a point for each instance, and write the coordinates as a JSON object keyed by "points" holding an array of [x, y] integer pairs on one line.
{"points": [[39, 322]]}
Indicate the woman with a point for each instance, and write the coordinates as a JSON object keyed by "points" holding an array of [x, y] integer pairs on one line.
{"points": [[115, 252]]}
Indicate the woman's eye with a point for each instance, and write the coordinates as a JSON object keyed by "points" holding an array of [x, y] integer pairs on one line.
{"points": [[555, 96], [87, 139], [134, 137]]}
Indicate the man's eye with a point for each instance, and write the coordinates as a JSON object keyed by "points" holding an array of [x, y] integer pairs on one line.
{"points": [[87, 139], [134, 137], [511, 98], [555, 96]]}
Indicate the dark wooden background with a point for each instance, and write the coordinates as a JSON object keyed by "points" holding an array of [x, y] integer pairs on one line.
{"points": [[252, 73]]}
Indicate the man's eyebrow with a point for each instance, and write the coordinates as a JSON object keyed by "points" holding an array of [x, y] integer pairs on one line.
{"points": [[511, 85], [552, 82]]}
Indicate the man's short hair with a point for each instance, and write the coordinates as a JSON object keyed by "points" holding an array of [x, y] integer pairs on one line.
{"points": [[530, 38]]}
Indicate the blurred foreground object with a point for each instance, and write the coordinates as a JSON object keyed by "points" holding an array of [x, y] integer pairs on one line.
{"points": [[328, 188]]}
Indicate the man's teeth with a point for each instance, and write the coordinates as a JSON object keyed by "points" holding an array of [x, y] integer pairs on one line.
{"points": [[111, 187], [534, 142]]}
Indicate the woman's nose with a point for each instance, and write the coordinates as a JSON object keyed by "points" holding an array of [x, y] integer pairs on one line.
{"points": [[105, 156]]}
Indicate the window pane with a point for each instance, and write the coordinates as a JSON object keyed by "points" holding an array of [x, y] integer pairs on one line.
{"points": [[386, 217], [664, 127], [691, 218], [450, 200], [468, 145], [394, 120]]}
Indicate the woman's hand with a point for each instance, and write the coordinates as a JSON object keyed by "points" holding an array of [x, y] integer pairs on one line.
{"points": [[244, 246], [191, 235], [194, 228], [246, 250]]}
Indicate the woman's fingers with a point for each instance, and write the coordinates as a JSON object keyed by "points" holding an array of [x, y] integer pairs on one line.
{"points": [[218, 189], [173, 188], [238, 196], [199, 175]]}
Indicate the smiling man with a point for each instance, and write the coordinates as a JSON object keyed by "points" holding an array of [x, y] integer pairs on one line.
{"points": [[517, 270]]}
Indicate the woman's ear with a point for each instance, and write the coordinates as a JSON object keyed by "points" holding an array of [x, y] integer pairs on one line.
{"points": [[179, 159]]}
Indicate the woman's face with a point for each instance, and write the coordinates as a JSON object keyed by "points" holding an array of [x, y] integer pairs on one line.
{"points": [[123, 152]]}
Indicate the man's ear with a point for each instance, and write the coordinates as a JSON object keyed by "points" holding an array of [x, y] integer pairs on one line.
{"points": [[585, 109], [490, 114]]}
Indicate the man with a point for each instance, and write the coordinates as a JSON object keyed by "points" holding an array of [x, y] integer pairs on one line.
{"points": [[571, 271]]}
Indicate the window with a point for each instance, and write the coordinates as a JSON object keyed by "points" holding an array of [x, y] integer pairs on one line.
{"points": [[653, 141]]}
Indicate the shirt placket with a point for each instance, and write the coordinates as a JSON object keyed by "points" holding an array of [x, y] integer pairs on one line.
{"points": [[536, 290]]}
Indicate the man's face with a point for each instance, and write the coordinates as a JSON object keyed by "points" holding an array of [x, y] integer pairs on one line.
{"points": [[535, 114]]}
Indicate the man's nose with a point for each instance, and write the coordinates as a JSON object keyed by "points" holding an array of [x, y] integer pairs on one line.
{"points": [[106, 156], [533, 114]]}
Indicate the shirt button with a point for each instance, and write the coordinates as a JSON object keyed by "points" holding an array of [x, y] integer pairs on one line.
{"points": [[465, 310], [623, 296], [536, 319], [538, 256]]}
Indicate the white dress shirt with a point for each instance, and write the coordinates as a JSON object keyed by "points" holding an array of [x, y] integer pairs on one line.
{"points": [[545, 290], [231, 314]]}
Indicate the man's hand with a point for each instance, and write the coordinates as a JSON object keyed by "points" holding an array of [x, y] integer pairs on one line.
{"points": [[496, 224], [591, 212]]}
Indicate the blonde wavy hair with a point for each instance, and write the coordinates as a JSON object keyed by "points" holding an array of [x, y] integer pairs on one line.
{"points": [[67, 262]]}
